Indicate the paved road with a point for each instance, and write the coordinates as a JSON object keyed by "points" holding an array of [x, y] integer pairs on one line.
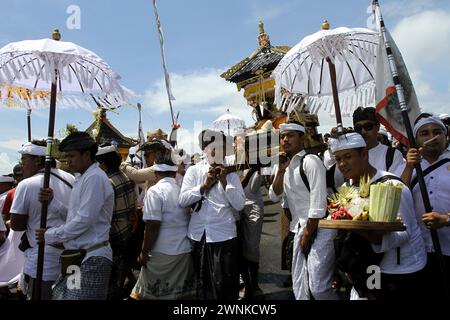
{"points": [[271, 277]]}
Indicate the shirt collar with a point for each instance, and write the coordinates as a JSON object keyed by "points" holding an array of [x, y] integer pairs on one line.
{"points": [[92, 167], [299, 154], [168, 179]]}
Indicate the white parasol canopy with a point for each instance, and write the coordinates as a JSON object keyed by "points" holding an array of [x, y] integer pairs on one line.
{"points": [[59, 67], [228, 122], [305, 72], [32, 64]]}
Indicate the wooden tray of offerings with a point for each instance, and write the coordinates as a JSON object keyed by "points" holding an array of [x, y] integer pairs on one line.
{"points": [[362, 225]]}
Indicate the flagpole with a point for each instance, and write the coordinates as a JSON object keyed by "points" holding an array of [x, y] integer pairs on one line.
{"points": [[141, 135], [166, 73], [412, 143]]}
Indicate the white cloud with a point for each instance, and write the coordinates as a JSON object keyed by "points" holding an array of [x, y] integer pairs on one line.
{"points": [[13, 144], [424, 38], [202, 93], [266, 11], [404, 8], [423, 41], [188, 140], [6, 165]]}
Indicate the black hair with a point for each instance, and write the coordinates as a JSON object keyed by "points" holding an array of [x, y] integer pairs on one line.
{"points": [[92, 151], [206, 137], [361, 114]]}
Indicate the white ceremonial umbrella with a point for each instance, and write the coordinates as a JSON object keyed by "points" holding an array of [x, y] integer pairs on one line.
{"points": [[228, 121], [329, 67], [64, 67]]}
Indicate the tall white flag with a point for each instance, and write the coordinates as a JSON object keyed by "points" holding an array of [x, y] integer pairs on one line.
{"points": [[387, 102]]}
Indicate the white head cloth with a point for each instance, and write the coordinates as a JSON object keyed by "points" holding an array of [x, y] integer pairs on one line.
{"points": [[161, 167], [444, 116], [347, 141], [291, 127], [429, 120], [179, 158], [32, 150], [6, 179], [105, 150]]}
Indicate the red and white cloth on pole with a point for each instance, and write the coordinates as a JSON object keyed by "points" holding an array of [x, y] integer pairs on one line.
{"points": [[387, 102]]}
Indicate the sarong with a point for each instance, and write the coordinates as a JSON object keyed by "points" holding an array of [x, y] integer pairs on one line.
{"points": [[251, 225], [11, 259], [216, 267], [312, 275], [92, 283], [166, 277]]}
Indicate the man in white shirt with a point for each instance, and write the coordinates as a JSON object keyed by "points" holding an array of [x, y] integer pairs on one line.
{"points": [[301, 178], [217, 197], [404, 255], [26, 214], [381, 156], [88, 222], [167, 268], [435, 162]]}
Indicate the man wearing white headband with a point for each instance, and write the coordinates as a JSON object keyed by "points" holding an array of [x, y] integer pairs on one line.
{"points": [[124, 207], [301, 179], [216, 197], [430, 133], [26, 213], [403, 252], [167, 269]]}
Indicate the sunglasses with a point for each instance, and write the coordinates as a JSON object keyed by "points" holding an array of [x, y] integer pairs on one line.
{"points": [[368, 126]]}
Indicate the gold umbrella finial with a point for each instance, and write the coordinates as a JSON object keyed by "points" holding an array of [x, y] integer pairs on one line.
{"points": [[325, 25], [261, 27], [56, 35]]}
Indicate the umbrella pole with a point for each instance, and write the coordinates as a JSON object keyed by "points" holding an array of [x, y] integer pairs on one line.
{"points": [[44, 208], [337, 106], [412, 143], [29, 124]]}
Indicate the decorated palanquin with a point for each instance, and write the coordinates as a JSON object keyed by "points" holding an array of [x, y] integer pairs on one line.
{"points": [[104, 132], [254, 76]]}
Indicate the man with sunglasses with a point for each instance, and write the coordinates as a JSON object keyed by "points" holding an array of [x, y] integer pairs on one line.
{"points": [[381, 157]]}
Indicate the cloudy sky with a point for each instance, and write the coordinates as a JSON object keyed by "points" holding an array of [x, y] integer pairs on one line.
{"points": [[203, 38]]}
